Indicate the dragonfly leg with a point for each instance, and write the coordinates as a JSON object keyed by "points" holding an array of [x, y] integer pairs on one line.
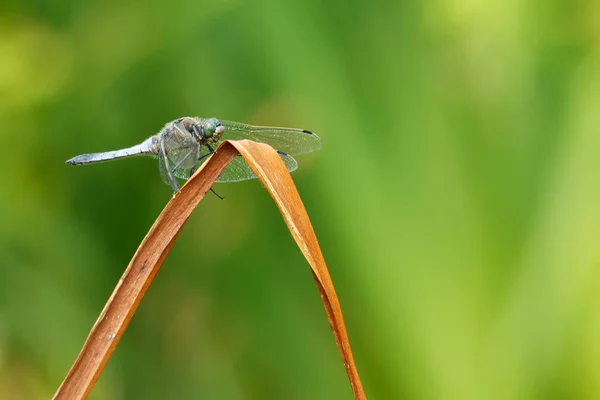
{"points": [[193, 169], [217, 194], [204, 156], [197, 132], [211, 152]]}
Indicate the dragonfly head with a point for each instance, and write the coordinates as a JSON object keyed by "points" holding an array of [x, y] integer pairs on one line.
{"points": [[213, 130]]}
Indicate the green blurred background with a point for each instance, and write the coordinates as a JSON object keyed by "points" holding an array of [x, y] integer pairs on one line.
{"points": [[455, 197]]}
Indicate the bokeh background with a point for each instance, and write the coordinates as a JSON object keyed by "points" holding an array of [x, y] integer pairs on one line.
{"points": [[456, 197]]}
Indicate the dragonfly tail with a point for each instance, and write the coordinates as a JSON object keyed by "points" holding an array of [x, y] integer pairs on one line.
{"points": [[147, 147]]}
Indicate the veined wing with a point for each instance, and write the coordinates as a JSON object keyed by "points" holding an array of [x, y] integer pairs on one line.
{"points": [[289, 140], [238, 170], [178, 153]]}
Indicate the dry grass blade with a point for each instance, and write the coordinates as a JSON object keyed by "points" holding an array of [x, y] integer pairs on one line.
{"points": [[142, 269], [269, 168], [136, 279]]}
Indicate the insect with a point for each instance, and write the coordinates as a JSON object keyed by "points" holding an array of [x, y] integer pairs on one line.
{"points": [[185, 143]]}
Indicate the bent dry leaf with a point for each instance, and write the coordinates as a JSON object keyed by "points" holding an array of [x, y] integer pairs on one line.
{"points": [[127, 295], [269, 168]]}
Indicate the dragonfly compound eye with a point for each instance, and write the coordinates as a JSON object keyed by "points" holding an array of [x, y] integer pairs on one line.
{"points": [[210, 126]]}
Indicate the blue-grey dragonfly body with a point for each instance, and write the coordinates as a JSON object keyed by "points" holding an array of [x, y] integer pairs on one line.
{"points": [[184, 144]]}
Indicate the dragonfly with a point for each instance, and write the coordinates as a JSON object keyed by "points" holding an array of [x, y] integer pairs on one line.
{"points": [[184, 144]]}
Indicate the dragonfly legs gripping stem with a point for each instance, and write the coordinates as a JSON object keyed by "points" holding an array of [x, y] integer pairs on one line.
{"points": [[210, 152], [193, 169], [201, 135]]}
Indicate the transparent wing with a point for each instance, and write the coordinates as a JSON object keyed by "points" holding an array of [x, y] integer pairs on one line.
{"points": [[237, 170], [289, 140], [178, 153], [171, 169]]}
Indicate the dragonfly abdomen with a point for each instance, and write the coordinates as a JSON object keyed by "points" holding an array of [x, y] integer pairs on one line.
{"points": [[149, 147]]}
